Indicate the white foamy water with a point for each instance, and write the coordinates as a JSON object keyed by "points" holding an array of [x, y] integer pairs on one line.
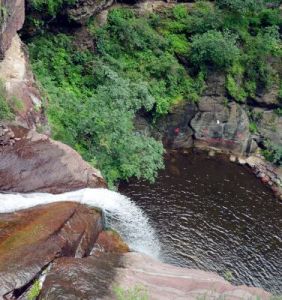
{"points": [[121, 214]]}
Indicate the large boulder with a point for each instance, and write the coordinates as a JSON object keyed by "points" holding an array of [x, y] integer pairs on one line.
{"points": [[221, 125], [31, 162], [31, 239], [12, 14], [269, 126], [92, 278], [175, 127]]}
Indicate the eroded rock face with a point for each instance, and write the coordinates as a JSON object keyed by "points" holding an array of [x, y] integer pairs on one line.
{"points": [[34, 162], [11, 20], [31, 239], [20, 86], [84, 9], [270, 126], [221, 126]]}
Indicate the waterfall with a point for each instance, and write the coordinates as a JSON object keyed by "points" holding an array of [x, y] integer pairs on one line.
{"points": [[121, 214]]}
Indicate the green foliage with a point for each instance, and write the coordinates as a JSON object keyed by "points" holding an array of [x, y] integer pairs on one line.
{"points": [[228, 275], [34, 291], [278, 112], [92, 109], [135, 293], [5, 111], [253, 127], [137, 51], [16, 104], [150, 63], [50, 6], [273, 153], [3, 13], [241, 6], [214, 48]]}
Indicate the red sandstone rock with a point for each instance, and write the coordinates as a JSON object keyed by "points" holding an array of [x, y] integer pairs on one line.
{"points": [[96, 277], [37, 163], [109, 241], [31, 239], [166, 282]]}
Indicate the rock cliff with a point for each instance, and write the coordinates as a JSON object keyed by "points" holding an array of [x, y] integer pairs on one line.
{"points": [[12, 14]]}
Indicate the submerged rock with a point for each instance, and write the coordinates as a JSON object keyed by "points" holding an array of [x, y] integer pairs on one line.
{"points": [[37, 163], [31, 239]]}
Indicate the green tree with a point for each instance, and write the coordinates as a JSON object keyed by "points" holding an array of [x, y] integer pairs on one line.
{"points": [[214, 49]]}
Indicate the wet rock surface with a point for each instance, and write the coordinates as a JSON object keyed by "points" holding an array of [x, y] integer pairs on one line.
{"points": [[31, 239], [109, 241], [268, 173], [36, 163]]}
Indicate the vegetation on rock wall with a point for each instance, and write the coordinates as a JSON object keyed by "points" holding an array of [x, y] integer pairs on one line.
{"points": [[5, 110], [50, 6], [150, 63]]}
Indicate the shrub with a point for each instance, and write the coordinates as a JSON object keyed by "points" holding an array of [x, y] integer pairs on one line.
{"points": [[50, 6], [135, 293], [5, 111], [214, 49], [135, 50], [241, 6], [273, 153], [34, 291]]}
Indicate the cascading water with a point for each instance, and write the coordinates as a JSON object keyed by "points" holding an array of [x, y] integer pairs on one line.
{"points": [[121, 214]]}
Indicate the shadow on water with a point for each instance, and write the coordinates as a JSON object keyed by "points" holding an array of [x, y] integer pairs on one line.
{"points": [[214, 215]]}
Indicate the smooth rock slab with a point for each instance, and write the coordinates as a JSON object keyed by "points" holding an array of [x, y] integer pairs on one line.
{"points": [[32, 238], [76, 279], [36, 163], [168, 282], [96, 277]]}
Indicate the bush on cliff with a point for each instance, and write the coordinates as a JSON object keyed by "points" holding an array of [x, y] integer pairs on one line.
{"points": [[134, 49], [5, 110], [241, 6], [50, 6], [273, 153], [214, 48]]}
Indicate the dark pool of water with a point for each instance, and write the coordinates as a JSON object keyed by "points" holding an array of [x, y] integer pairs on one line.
{"points": [[215, 215]]}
